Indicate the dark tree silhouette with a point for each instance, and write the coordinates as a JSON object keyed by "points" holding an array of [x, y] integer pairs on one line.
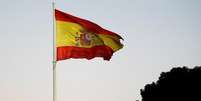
{"points": [[179, 84]]}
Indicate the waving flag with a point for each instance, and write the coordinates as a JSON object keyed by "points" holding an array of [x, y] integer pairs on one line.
{"points": [[80, 38]]}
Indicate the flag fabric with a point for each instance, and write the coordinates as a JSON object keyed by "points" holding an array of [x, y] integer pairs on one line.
{"points": [[80, 38]]}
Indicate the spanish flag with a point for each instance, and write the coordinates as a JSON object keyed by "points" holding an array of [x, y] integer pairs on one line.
{"points": [[80, 38]]}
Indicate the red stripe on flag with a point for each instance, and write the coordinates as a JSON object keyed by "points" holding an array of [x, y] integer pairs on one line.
{"points": [[67, 52], [61, 16]]}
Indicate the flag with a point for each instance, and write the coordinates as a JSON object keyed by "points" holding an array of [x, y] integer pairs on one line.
{"points": [[80, 38]]}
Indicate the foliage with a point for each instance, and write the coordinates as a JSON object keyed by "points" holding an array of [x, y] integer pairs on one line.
{"points": [[179, 84]]}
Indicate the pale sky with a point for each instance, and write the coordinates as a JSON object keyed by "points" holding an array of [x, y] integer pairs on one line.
{"points": [[159, 35]]}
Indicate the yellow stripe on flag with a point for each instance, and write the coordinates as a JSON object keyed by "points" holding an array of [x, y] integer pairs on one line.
{"points": [[73, 34]]}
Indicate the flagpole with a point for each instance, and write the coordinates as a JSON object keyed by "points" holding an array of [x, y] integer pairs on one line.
{"points": [[54, 56]]}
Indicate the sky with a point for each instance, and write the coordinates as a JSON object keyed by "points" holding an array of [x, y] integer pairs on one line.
{"points": [[158, 35]]}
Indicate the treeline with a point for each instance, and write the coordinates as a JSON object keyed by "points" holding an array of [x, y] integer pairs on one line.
{"points": [[179, 84]]}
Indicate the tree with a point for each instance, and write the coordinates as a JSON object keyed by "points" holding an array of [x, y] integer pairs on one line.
{"points": [[179, 84]]}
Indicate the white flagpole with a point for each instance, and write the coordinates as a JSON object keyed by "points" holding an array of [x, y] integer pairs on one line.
{"points": [[54, 56]]}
